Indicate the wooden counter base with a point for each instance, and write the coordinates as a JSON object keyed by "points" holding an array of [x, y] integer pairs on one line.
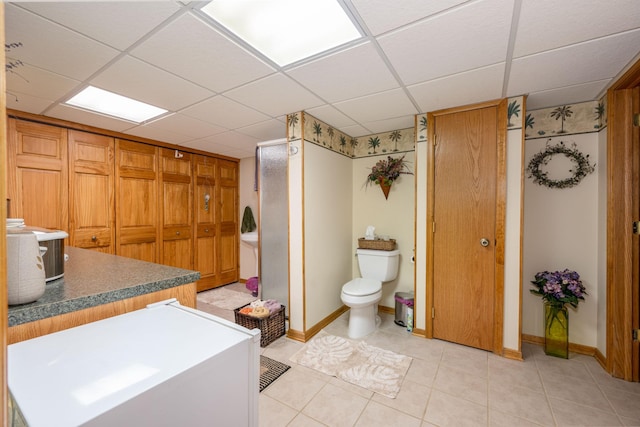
{"points": [[185, 294]]}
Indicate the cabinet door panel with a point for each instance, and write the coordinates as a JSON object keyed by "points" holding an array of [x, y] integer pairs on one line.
{"points": [[38, 183], [91, 191], [137, 221], [206, 246], [176, 181]]}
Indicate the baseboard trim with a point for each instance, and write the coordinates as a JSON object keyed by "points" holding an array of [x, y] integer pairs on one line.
{"points": [[311, 332], [422, 333], [386, 310], [574, 348], [602, 359], [508, 353]]}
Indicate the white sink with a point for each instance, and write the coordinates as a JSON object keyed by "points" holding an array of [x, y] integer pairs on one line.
{"points": [[250, 238]]}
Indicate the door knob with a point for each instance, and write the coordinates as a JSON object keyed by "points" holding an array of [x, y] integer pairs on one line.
{"points": [[484, 242]]}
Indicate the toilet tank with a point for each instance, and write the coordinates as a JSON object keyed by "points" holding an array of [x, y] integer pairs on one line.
{"points": [[379, 265]]}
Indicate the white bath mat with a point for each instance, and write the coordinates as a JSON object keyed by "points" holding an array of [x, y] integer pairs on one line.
{"points": [[225, 298], [356, 362]]}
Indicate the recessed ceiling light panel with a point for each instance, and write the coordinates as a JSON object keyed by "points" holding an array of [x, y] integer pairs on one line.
{"points": [[286, 31], [111, 104]]}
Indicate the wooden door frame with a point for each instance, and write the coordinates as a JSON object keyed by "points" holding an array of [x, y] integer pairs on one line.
{"points": [[623, 247], [501, 203]]}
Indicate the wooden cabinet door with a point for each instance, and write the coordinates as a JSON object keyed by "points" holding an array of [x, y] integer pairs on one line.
{"points": [[91, 192], [205, 218], [228, 227], [37, 174], [138, 226], [177, 209]]}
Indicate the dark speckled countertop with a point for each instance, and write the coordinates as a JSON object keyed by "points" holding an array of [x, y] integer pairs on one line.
{"points": [[92, 278]]}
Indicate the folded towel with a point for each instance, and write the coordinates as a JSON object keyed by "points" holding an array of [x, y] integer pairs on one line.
{"points": [[248, 223]]}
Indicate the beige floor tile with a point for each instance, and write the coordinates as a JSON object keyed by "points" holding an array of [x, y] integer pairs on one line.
{"points": [[422, 372], [303, 421], [624, 403], [515, 374], [520, 402], [474, 362], [631, 422], [335, 406], [571, 414], [282, 349], [499, 419], [585, 393], [459, 383], [295, 388], [273, 413], [412, 399], [549, 365], [446, 410], [367, 394], [376, 414]]}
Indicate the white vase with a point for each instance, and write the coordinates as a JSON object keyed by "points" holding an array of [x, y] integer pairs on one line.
{"points": [[25, 269]]}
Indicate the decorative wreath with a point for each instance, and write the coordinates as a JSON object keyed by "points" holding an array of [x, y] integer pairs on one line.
{"points": [[582, 169]]}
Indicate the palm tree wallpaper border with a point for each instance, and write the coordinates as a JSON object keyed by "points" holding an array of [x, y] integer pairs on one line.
{"points": [[562, 120]]}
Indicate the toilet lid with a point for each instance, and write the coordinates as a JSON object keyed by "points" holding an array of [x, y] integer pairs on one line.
{"points": [[362, 287]]}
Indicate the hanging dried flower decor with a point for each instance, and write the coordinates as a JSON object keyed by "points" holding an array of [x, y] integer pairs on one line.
{"points": [[384, 172], [581, 168]]}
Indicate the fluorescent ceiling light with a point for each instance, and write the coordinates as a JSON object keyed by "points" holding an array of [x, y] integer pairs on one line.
{"points": [[286, 31], [109, 103]]}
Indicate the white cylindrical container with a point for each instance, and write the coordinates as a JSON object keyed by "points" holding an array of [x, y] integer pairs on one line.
{"points": [[25, 268], [409, 319]]}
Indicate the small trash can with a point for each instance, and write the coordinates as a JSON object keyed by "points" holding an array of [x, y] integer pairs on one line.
{"points": [[404, 301]]}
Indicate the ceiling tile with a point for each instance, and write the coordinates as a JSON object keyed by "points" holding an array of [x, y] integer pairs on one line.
{"points": [[266, 131], [72, 114], [382, 15], [275, 95], [355, 131], [185, 125], [222, 111], [339, 76], [381, 106], [574, 64], [544, 24], [39, 83], [156, 133], [461, 89], [27, 103], [195, 51], [472, 36], [329, 114], [566, 95], [65, 52], [118, 24], [143, 82], [397, 123]]}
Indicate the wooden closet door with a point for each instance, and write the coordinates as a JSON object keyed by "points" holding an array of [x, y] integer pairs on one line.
{"points": [[37, 174], [205, 214], [177, 209], [91, 191], [467, 249], [228, 227], [138, 227]]}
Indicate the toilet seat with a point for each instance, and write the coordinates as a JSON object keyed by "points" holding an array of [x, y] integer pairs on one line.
{"points": [[361, 287]]}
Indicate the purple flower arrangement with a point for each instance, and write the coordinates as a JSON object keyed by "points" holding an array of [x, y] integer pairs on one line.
{"points": [[559, 287]]}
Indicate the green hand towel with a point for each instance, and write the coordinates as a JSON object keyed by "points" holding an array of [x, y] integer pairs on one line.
{"points": [[248, 223]]}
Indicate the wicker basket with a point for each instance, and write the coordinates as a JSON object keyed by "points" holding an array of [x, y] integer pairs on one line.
{"points": [[271, 328], [379, 245]]}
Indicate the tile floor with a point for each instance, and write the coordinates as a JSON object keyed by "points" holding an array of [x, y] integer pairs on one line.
{"points": [[451, 385]]}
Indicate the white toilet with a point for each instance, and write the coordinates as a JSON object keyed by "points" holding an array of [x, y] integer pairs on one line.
{"points": [[363, 294]]}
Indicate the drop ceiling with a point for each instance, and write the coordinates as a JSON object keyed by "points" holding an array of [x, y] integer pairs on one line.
{"points": [[415, 56]]}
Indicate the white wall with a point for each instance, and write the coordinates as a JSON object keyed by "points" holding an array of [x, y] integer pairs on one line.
{"points": [[327, 230], [247, 197], [393, 217], [561, 231]]}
